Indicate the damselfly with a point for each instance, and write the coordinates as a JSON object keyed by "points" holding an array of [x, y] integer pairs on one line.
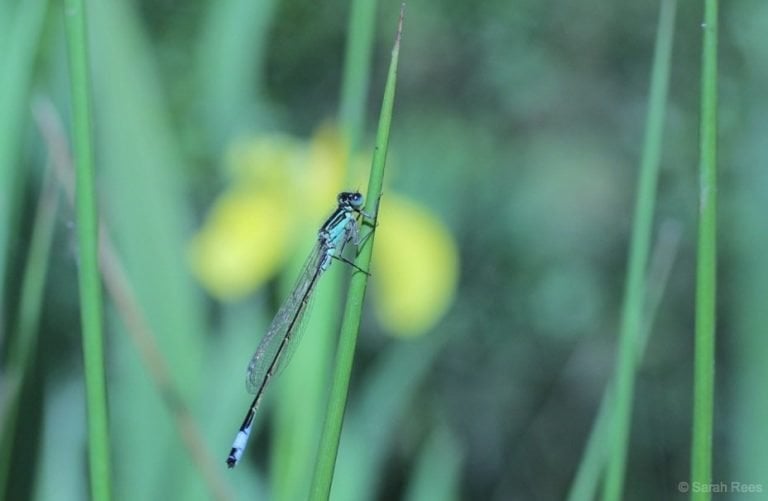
{"points": [[339, 229]]}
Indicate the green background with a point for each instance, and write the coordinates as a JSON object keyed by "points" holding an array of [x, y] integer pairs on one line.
{"points": [[519, 124]]}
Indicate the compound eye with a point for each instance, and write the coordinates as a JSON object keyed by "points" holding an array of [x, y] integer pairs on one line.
{"points": [[356, 200]]}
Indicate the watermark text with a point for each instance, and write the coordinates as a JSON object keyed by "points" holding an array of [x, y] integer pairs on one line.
{"points": [[721, 487]]}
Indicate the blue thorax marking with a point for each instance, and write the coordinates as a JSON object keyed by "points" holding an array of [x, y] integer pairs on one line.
{"points": [[335, 232]]}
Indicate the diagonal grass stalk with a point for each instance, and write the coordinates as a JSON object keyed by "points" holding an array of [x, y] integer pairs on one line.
{"points": [[635, 286], [124, 298], [22, 344], [592, 465], [20, 37], [329, 441]]}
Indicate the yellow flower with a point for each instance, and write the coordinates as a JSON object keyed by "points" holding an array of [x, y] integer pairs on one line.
{"points": [[415, 267], [270, 160], [248, 233], [242, 242], [279, 182]]}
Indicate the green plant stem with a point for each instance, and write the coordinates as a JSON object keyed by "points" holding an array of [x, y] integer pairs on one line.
{"points": [[329, 441], [704, 351], [88, 270], [296, 435], [17, 60], [120, 291], [635, 286], [357, 62], [22, 344], [592, 464]]}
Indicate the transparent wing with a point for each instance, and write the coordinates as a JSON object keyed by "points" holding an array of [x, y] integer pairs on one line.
{"points": [[274, 348]]}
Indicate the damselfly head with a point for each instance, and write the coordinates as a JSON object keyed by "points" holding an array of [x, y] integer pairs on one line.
{"points": [[353, 200]]}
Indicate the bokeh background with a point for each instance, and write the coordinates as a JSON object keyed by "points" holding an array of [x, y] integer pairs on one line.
{"points": [[490, 326]]}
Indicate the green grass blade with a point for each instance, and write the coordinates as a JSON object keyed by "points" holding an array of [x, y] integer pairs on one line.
{"points": [[18, 48], [437, 474], [635, 286], [21, 345], [357, 64], [303, 387], [329, 441], [592, 464], [88, 270], [302, 403], [704, 351], [376, 417], [230, 66], [126, 304], [145, 182], [60, 465]]}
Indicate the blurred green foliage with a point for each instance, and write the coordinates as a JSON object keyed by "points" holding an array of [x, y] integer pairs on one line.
{"points": [[518, 123]]}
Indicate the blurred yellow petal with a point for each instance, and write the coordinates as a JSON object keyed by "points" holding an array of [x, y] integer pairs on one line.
{"points": [[326, 165], [243, 242], [416, 266], [267, 161]]}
